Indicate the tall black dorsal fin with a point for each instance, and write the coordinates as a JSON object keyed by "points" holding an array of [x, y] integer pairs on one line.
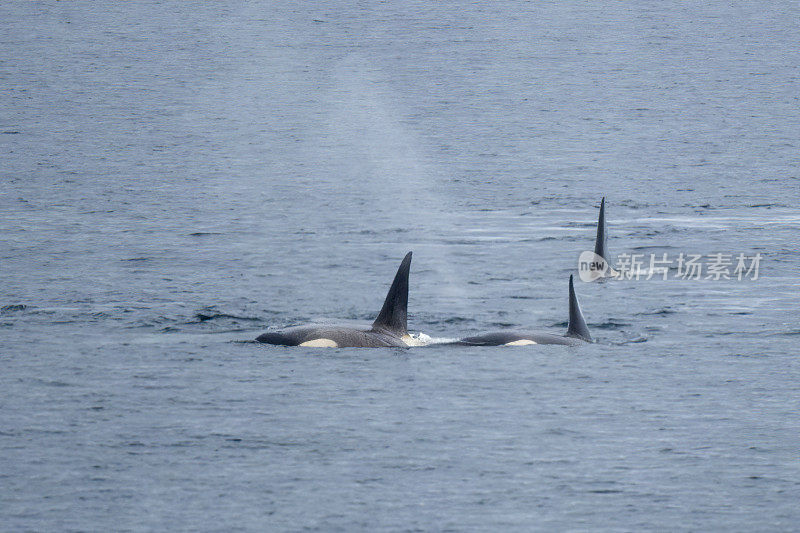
{"points": [[577, 325], [394, 313], [601, 242]]}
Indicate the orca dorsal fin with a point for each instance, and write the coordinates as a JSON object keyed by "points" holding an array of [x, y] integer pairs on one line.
{"points": [[601, 242], [394, 313], [577, 325]]}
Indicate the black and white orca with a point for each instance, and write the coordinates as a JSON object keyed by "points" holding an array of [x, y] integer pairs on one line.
{"points": [[390, 329], [577, 331], [596, 265], [601, 241]]}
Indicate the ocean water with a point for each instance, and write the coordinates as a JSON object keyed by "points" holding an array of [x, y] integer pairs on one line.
{"points": [[178, 177]]}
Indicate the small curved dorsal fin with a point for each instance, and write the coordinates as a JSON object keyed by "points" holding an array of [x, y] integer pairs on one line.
{"points": [[601, 242], [577, 325], [394, 313]]}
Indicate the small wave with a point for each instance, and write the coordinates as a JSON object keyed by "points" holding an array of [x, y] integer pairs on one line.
{"points": [[454, 320], [468, 242], [52, 382], [660, 312], [206, 316], [634, 204], [503, 325], [13, 308], [653, 248], [611, 323], [636, 340], [626, 342]]}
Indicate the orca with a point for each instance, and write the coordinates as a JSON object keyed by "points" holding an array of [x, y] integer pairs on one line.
{"points": [[601, 241], [595, 265], [390, 328], [577, 331]]}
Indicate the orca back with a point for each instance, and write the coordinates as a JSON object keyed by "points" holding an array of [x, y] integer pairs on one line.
{"points": [[577, 324], [393, 317], [601, 242]]}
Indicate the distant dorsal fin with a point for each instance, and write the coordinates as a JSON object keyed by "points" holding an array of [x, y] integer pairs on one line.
{"points": [[394, 313], [577, 325], [601, 242]]}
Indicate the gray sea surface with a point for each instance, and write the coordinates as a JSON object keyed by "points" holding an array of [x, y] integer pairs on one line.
{"points": [[178, 177]]}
